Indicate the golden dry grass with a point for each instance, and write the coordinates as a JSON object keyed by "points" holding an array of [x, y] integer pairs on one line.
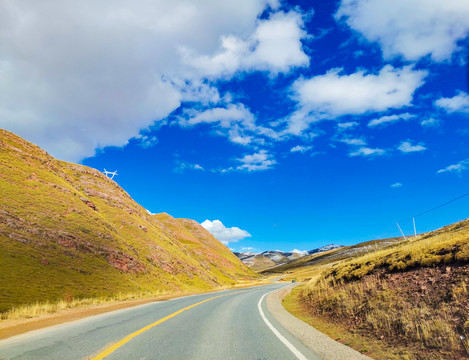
{"points": [[69, 302], [414, 293], [444, 246], [68, 229], [38, 309]]}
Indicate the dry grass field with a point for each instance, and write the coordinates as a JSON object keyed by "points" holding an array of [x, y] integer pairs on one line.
{"points": [[411, 297]]}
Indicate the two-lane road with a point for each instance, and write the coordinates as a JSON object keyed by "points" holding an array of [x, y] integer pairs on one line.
{"points": [[232, 324]]}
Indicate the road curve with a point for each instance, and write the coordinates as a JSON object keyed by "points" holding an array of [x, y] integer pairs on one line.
{"points": [[233, 324]]}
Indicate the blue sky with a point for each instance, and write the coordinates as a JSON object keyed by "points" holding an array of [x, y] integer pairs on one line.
{"points": [[276, 124]]}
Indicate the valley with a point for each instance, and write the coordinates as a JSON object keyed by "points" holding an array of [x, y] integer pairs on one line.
{"points": [[72, 238]]}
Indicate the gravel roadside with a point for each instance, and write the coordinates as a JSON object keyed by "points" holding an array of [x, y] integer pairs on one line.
{"points": [[320, 343]]}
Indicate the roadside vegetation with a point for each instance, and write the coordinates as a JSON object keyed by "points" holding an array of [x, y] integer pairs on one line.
{"points": [[69, 302], [410, 299], [38, 309]]}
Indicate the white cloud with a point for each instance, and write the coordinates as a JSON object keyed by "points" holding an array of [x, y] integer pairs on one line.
{"points": [[412, 29], [456, 168], [197, 91], [353, 142], [146, 141], [249, 248], [347, 125], [182, 166], [87, 74], [261, 160], [300, 148], [407, 147], [224, 234], [365, 152], [430, 122], [275, 46], [300, 252], [396, 185], [298, 122], [458, 103], [334, 94], [390, 119], [234, 121]]}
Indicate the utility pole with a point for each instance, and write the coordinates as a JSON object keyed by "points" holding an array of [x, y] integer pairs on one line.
{"points": [[401, 231], [415, 231]]}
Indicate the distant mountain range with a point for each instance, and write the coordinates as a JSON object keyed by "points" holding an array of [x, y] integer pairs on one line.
{"points": [[267, 259]]}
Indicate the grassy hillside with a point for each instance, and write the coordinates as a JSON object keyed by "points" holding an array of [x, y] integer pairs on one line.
{"points": [[301, 269], [69, 231], [409, 299], [259, 263]]}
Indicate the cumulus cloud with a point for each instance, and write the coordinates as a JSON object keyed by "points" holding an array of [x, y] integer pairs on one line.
{"points": [[407, 147], [411, 29], [390, 119], [335, 94], [367, 152], [258, 161], [457, 103], [224, 234], [235, 121], [275, 46], [456, 168], [300, 149], [396, 185], [93, 74]]}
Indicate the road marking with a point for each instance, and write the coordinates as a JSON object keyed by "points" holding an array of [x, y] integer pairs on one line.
{"points": [[287, 343], [125, 340]]}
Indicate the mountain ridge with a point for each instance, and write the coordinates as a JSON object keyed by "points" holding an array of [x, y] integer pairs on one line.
{"points": [[270, 258], [67, 228]]}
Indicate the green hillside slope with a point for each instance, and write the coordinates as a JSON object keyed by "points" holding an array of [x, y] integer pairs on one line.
{"points": [[68, 230]]}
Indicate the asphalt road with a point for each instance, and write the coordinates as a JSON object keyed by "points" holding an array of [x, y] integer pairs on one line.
{"points": [[233, 324]]}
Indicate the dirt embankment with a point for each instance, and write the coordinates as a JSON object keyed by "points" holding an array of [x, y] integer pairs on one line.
{"points": [[422, 312]]}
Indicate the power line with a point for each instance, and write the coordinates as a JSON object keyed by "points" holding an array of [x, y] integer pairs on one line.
{"points": [[437, 207], [387, 232]]}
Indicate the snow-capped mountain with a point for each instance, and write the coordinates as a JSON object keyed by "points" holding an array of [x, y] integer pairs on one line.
{"points": [[325, 248], [270, 258]]}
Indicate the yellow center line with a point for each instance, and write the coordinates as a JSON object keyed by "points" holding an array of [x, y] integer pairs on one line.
{"points": [[148, 327]]}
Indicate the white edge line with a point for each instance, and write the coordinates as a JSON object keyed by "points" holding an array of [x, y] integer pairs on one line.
{"points": [[287, 343]]}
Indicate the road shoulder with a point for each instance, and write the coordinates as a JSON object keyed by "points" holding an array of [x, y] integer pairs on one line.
{"points": [[315, 340]]}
